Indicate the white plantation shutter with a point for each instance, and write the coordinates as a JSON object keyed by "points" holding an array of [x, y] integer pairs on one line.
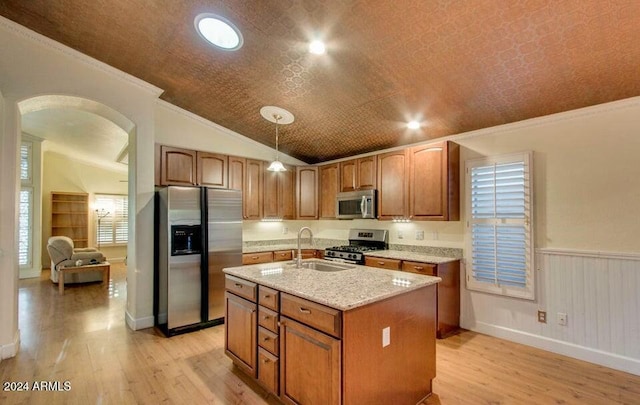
{"points": [[25, 215], [499, 212], [113, 215]]}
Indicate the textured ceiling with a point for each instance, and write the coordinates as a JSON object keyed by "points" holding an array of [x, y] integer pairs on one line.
{"points": [[454, 65]]}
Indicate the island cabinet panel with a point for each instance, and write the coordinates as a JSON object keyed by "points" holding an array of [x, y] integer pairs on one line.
{"points": [[393, 185], [268, 319], [434, 182], [236, 172], [307, 192], [329, 187], [241, 332], [282, 255], [243, 288], [213, 170], [323, 318], [268, 297], [178, 166], [392, 374], [310, 365], [268, 340], [268, 371]]}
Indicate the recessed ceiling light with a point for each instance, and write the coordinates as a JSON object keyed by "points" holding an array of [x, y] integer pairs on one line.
{"points": [[413, 125], [219, 31], [317, 47]]}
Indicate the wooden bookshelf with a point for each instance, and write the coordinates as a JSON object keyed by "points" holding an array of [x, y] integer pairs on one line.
{"points": [[70, 216]]}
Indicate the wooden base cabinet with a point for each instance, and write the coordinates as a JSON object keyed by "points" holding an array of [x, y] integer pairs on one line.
{"points": [[308, 353], [310, 365]]}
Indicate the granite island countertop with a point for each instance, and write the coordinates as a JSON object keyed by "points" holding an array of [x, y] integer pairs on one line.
{"points": [[412, 256], [342, 290]]}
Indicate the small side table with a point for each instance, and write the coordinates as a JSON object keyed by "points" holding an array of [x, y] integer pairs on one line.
{"points": [[105, 267]]}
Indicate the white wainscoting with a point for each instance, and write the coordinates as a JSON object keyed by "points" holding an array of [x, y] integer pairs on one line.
{"points": [[599, 292]]}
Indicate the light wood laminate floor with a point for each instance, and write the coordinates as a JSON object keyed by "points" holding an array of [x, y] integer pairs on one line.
{"points": [[81, 338]]}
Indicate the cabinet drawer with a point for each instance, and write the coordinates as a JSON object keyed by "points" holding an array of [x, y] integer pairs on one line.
{"points": [[268, 297], [306, 253], [268, 319], [268, 340], [419, 268], [318, 316], [241, 287], [268, 371], [282, 255], [390, 264], [258, 257]]}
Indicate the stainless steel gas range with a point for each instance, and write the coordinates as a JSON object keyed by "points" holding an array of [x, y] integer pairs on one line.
{"points": [[360, 241]]}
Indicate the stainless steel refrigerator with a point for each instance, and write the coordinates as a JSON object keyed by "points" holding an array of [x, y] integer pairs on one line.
{"points": [[198, 233]]}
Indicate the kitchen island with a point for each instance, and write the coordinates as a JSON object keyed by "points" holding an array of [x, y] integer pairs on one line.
{"points": [[359, 335]]}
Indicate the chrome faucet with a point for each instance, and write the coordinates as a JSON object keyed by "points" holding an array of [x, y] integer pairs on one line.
{"points": [[299, 258]]}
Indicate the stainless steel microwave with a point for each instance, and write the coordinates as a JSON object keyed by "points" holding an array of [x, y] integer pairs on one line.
{"points": [[356, 204]]}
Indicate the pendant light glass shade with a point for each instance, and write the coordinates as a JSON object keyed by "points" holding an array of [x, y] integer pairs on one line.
{"points": [[276, 166]]}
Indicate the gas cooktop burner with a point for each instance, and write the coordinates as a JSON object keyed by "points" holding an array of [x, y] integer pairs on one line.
{"points": [[354, 248]]}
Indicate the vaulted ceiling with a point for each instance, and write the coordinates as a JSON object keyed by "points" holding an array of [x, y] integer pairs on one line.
{"points": [[455, 66]]}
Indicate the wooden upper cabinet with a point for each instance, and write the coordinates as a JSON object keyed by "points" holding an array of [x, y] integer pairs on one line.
{"points": [[307, 192], [178, 166], [279, 194], [329, 187], [434, 182], [236, 172], [213, 170], [367, 173], [393, 184], [252, 193], [358, 174]]}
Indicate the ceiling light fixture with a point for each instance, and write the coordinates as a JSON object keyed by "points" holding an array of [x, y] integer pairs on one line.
{"points": [[317, 47], [282, 117], [413, 125], [219, 31]]}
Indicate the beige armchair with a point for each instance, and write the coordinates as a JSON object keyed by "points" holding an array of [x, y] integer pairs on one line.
{"points": [[62, 253]]}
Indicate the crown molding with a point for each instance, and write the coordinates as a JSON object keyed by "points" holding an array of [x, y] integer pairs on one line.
{"points": [[40, 39]]}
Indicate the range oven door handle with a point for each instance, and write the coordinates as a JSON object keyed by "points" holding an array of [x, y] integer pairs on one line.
{"points": [[363, 206]]}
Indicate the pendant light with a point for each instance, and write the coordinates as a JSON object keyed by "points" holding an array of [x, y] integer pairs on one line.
{"points": [[282, 117]]}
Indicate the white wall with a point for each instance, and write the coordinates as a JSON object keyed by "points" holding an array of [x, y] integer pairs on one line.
{"points": [[62, 173], [586, 198]]}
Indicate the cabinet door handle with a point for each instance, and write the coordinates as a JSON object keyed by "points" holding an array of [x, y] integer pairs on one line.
{"points": [[265, 339], [265, 360], [418, 268], [238, 285], [381, 263], [305, 310], [254, 257], [265, 317], [266, 296]]}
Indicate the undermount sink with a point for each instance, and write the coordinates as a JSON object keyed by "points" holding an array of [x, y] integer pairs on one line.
{"points": [[320, 265]]}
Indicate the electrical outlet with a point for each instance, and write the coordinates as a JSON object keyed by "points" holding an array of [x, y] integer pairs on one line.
{"points": [[419, 235], [562, 319], [400, 235], [386, 336], [285, 230], [542, 316], [434, 236]]}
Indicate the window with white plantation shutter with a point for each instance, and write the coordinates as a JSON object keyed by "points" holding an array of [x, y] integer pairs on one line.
{"points": [[111, 219], [25, 215], [499, 197]]}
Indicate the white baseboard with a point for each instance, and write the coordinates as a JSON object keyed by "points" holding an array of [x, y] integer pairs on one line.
{"points": [[29, 273], [10, 350], [116, 259], [140, 323], [611, 360]]}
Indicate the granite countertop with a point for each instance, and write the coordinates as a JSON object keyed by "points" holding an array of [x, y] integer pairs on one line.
{"points": [[413, 256], [342, 290]]}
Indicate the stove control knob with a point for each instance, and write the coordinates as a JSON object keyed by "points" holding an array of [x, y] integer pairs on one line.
{"points": [[329, 253]]}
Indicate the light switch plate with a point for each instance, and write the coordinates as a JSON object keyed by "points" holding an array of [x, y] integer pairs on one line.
{"points": [[285, 230], [386, 336], [419, 235], [400, 235]]}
